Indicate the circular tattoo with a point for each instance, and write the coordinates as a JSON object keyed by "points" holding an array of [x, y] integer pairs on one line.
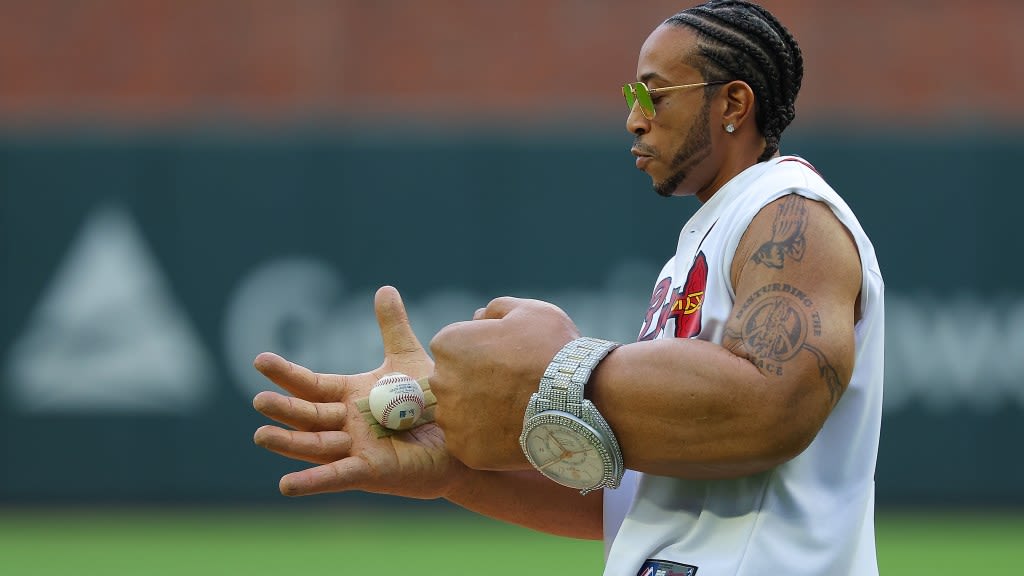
{"points": [[775, 330]]}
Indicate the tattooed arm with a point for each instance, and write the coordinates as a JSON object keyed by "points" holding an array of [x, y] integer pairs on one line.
{"points": [[694, 409]]}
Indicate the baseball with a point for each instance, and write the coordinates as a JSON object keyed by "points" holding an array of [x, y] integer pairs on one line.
{"points": [[396, 401]]}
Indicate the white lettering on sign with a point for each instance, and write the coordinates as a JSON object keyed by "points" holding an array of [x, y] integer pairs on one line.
{"points": [[961, 352], [954, 352]]}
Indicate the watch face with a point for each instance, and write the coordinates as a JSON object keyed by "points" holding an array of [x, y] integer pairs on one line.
{"points": [[565, 449]]}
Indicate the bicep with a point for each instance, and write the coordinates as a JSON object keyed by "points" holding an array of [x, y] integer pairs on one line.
{"points": [[796, 273]]}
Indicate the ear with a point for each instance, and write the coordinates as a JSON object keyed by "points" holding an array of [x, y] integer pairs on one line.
{"points": [[739, 103]]}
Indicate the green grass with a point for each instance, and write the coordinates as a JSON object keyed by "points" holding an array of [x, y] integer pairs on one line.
{"points": [[301, 542], [964, 543], [342, 542]]}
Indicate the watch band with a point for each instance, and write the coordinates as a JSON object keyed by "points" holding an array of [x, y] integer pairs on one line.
{"points": [[561, 387]]}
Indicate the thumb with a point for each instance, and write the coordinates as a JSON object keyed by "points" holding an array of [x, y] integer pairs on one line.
{"points": [[395, 330], [498, 308]]}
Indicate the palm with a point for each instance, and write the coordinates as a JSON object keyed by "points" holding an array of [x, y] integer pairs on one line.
{"points": [[327, 428], [414, 463]]}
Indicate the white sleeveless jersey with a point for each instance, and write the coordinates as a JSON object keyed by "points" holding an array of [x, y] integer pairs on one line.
{"points": [[813, 515]]}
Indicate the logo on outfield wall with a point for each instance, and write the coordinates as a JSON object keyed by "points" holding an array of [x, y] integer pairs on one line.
{"points": [[933, 358], [106, 335]]}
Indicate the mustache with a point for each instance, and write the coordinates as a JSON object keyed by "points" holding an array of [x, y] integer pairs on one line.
{"points": [[644, 148]]}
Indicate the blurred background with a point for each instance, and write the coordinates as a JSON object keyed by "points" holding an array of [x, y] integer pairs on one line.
{"points": [[184, 184]]}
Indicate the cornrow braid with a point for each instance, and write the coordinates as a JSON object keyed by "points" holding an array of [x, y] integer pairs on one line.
{"points": [[740, 40]]}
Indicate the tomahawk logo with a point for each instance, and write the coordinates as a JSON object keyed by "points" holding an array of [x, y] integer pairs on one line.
{"points": [[687, 302], [682, 305]]}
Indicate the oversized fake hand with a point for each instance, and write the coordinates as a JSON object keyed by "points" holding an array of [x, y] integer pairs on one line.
{"points": [[486, 371], [327, 429]]}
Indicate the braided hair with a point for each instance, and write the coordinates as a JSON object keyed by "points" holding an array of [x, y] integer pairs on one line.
{"points": [[739, 40]]}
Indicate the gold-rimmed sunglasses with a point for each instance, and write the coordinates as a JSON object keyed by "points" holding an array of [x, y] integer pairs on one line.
{"points": [[639, 93]]}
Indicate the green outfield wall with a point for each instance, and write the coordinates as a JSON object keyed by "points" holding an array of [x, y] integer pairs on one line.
{"points": [[142, 273]]}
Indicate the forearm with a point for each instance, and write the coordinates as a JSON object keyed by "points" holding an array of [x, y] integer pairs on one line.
{"points": [[528, 499]]}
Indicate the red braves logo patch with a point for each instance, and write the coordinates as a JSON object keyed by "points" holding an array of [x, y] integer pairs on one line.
{"points": [[682, 305], [686, 303]]}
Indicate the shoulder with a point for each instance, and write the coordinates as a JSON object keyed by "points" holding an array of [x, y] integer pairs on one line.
{"points": [[781, 231], [787, 172]]}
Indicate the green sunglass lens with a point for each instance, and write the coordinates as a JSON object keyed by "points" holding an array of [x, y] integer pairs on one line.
{"points": [[643, 97], [637, 94], [627, 91]]}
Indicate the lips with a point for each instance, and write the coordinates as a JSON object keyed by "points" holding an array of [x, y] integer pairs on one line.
{"points": [[642, 157]]}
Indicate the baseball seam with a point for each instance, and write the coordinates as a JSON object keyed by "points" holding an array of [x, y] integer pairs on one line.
{"points": [[392, 379], [394, 402]]}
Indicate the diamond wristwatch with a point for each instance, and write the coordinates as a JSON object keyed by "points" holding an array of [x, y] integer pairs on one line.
{"points": [[564, 436]]}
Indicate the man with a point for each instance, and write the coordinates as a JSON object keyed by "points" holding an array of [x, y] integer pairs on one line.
{"points": [[738, 435]]}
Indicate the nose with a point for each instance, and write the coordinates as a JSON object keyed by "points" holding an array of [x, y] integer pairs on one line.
{"points": [[636, 122]]}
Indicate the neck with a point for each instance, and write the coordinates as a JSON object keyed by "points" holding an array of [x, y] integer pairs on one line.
{"points": [[737, 159]]}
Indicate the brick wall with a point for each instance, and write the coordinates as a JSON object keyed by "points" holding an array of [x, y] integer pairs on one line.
{"points": [[153, 62]]}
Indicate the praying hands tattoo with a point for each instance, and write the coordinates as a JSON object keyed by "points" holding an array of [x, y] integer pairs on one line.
{"points": [[787, 234]]}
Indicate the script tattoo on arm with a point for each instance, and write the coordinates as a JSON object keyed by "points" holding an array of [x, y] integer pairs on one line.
{"points": [[772, 329], [787, 234]]}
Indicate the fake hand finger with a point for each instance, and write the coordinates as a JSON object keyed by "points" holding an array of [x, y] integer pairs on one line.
{"points": [[315, 447], [347, 474], [395, 330], [300, 414], [299, 380]]}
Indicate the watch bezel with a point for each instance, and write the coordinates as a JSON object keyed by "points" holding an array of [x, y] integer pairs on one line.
{"points": [[594, 437]]}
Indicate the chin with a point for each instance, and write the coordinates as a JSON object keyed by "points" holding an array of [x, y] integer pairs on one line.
{"points": [[671, 187]]}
